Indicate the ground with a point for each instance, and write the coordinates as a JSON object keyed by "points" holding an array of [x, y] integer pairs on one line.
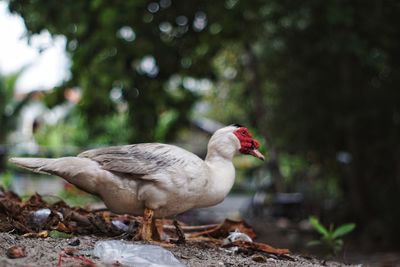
{"points": [[35, 217], [46, 251]]}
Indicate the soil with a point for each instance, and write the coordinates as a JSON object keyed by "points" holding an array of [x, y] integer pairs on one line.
{"points": [[36, 233], [46, 252]]}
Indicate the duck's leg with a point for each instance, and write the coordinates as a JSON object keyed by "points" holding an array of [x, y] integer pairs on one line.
{"points": [[146, 227], [179, 232]]}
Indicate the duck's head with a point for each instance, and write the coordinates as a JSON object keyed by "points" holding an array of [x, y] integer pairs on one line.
{"points": [[248, 145], [235, 138]]}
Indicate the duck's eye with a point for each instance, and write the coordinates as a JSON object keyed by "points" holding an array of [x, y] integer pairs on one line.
{"points": [[244, 133]]}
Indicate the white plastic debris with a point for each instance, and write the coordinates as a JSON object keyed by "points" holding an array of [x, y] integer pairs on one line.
{"points": [[120, 225], [235, 236], [127, 254], [40, 216]]}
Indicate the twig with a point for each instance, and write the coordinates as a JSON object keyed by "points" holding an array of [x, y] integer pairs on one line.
{"points": [[85, 260], [190, 228]]}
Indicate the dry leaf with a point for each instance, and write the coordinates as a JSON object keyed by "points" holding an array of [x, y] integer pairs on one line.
{"points": [[15, 252]]}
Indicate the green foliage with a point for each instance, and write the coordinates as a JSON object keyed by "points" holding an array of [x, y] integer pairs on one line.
{"points": [[9, 111], [71, 136], [167, 119], [61, 137], [58, 234], [330, 237], [74, 197], [6, 179], [9, 108], [130, 51]]}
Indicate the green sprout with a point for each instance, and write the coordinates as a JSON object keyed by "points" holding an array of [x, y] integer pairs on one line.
{"points": [[330, 237]]}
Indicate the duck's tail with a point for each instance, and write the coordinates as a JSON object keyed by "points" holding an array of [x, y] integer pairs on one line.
{"points": [[81, 172], [39, 165]]}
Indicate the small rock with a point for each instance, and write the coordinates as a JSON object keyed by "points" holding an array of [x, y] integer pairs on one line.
{"points": [[70, 251], [75, 242], [15, 252], [185, 257], [272, 256], [258, 258]]}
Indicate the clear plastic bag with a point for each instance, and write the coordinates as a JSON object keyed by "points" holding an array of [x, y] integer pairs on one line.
{"points": [[128, 254]]}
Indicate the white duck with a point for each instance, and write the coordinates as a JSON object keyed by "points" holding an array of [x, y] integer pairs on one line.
{"points": [[153, 179]]}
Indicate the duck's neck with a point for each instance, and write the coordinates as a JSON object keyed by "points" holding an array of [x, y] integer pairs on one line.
{"points": [[221, 148], [222, 172]]}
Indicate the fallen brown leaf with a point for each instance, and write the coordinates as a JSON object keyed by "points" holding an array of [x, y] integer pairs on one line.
{"points": [[15, 252], [224, 229], [41, 234]]}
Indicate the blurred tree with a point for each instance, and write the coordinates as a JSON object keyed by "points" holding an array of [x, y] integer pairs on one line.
{"points": [[321, 81], [127, 52], [335, 66], [9, 110], [318, 79]]}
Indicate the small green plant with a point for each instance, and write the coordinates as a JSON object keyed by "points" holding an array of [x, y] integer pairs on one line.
{"points": [[330, 237]]}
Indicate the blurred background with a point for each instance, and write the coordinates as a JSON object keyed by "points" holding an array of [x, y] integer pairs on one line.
{"points": [[316, 81]]}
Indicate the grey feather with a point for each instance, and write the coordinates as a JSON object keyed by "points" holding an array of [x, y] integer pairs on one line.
{"points": [[34, 164], [137, 160]]}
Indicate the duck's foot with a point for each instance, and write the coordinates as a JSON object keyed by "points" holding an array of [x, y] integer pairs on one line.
{"points": [[145, 229]]}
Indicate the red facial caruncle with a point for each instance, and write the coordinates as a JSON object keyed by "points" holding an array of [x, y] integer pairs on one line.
{"points": [[248, 145]]}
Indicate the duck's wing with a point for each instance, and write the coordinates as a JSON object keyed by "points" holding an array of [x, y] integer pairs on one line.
{"points": [[141, 159]]}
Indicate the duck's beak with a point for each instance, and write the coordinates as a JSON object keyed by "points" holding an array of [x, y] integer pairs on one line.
{"points": [[257, 154]]}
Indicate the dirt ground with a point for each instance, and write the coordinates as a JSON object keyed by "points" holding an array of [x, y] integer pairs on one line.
{"points": [[36, 217], [46, 252]]}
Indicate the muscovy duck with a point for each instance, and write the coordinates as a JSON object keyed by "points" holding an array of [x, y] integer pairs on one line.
{"points": [[153, 179]]}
